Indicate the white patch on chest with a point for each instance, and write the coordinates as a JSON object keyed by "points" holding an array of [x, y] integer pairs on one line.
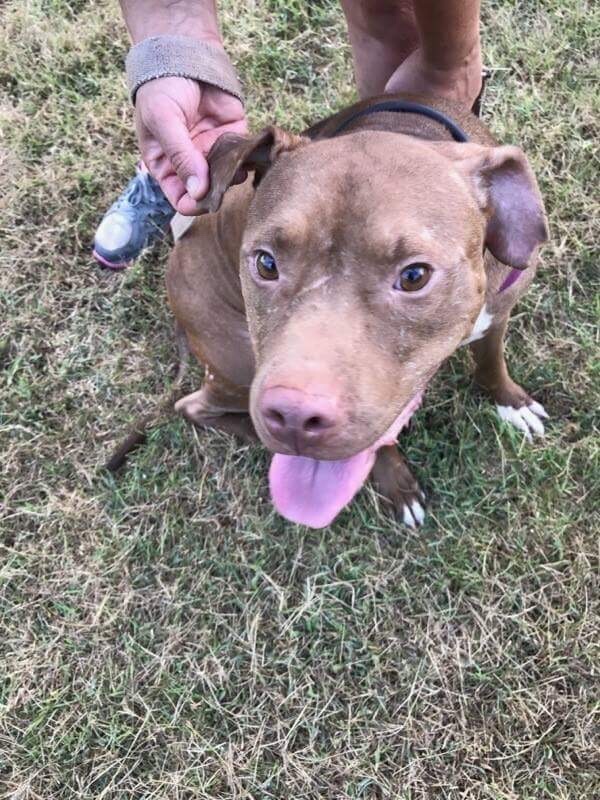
{"points": [[482, 324], [180, 225]]}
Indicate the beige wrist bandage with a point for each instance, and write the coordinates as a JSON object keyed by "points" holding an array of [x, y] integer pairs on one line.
{"points": [[183, 57]]}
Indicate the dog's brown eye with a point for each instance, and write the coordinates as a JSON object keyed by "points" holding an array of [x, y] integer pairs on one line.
{"points": [[413, 278], [266, 266]]}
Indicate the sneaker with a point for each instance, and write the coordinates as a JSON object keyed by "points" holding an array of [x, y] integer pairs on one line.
{"points": [[135, 220]]}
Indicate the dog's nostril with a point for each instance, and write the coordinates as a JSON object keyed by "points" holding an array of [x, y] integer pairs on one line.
{"points": [[296, 418], [275, 417], [312, 424]]}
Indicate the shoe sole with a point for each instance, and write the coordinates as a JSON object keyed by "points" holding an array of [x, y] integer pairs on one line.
{"points": [[115, 266]]}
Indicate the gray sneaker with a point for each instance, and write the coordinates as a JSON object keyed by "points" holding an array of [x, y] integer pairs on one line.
{"points": [[135, 220]]}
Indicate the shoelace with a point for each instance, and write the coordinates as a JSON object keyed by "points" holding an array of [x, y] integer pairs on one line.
{"points": [[142, 190]]}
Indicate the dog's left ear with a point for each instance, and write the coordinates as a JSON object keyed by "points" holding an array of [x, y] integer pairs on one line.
{"points": [[232, 155], [507, 192]]}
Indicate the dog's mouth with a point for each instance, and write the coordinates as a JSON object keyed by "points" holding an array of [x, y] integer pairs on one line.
{"points": [[312, 492]]}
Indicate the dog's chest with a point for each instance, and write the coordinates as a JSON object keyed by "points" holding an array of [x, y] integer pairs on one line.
{"points": [[481, 326]]}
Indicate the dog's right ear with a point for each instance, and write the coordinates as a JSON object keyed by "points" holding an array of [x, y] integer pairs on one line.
{"points": [[232, 155]]}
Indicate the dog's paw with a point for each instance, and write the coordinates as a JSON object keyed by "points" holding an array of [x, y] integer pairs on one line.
{"points": [[413, 511], [398, 487], [528, 418]]}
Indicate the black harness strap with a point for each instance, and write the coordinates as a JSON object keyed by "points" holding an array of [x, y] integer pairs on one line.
{"points": [[407, 107]]}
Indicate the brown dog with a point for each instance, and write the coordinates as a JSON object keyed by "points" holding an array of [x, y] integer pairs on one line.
{"points": [[323, 298]]}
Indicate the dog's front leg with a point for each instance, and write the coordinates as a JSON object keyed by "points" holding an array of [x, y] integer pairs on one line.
{"points": [[221, 405], [513, 403], [396, 484]]}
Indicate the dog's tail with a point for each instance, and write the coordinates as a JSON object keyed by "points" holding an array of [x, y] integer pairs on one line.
{"points": [[137, 436]]}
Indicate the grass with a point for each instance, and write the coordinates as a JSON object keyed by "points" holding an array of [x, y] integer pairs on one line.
{"points": [[163, 634]]}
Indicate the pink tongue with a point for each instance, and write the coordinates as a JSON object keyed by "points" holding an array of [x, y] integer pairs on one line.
{"points": [[313, 492]]}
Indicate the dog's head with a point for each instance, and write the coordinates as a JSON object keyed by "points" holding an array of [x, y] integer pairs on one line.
{"points": [[362, 271]]}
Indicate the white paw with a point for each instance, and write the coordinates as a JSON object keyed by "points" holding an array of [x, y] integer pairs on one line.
{"points": [[527, 418], [413, 513]]}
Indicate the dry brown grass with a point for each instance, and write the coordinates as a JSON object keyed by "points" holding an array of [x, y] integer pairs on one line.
{"points": [[164, 634]]}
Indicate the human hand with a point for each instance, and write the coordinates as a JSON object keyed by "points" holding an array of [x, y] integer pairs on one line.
{"points": [[177, 122]]}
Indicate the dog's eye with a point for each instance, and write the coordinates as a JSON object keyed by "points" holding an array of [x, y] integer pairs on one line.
{"points": [[413, 278], [266, 266]]}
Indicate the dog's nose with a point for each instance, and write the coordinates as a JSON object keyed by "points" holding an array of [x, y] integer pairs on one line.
{"points": [[297, 419]]}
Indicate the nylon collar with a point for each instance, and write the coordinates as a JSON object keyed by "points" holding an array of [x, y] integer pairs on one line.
{"points": [[408, 107]]}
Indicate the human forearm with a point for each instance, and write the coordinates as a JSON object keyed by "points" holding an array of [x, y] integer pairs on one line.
{"points": [[448, 30], [194, 18]]}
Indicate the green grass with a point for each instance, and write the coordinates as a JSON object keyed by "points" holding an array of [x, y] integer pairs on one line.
{"points": [[163, 633]]}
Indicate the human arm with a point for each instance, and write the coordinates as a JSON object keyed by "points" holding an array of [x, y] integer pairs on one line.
{"points": [[178, 119], [448, 59]]}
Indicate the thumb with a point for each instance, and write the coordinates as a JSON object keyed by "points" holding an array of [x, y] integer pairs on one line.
{"points": [[187, 162]]}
